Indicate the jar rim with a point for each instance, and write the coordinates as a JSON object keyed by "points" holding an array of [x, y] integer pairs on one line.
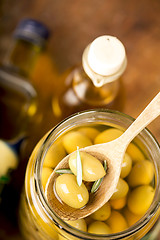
{"points": [[62, 224]]}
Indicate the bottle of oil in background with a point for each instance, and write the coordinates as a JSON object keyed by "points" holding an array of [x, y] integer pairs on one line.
{"points": [[97, 83], [19, 98], [20, 113]]}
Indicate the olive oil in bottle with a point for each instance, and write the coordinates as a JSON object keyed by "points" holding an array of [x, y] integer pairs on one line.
{"points": [[20, 112], [18, 96], [97, 83]]}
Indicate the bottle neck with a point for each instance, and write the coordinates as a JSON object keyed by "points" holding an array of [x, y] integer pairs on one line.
{"points": [[21, 57], [92, 95]]}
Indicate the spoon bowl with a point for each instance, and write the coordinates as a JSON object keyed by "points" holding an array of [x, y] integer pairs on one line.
{"points": [[113, 152], [96, 199]]}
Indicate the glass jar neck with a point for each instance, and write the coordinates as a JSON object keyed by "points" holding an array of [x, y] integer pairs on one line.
{"points": [[21, 57]]}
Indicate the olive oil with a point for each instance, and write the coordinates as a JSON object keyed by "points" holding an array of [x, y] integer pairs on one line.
{"points": [[81, 94], [19, 99], [88, 86], [18, 105], [20, 114]]}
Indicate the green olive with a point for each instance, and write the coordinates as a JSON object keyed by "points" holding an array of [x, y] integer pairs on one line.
{"points": [[135, 153], [141, 173], [140, 199], [131, 217], [102, 213], [121, 189], [90, 132], [54, 155], [99, 227], [70, 193], [118, 203], [73, 139], [92, 169], [108, 135], [126, 166], [117, 222], [80, 224], [46, 172]]}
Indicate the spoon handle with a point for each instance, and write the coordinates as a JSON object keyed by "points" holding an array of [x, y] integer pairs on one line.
{"points": [[147, 116]]}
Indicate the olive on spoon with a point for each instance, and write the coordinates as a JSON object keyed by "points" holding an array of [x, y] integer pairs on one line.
{"points": [[113, 152]]}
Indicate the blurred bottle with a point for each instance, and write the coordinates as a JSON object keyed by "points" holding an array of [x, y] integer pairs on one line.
{"points": [[20, 113], [18, 98], [97, 83]]}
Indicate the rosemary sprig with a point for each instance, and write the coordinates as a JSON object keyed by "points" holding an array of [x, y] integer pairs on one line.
{"points": [[63, 170], [97, 183], [79, 168], [105, 165]]}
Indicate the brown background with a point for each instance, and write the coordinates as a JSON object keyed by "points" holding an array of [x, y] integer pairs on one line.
{"points": [[75, 23]]}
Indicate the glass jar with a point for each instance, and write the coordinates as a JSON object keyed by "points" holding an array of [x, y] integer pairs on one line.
{"points": [[38, 221]]}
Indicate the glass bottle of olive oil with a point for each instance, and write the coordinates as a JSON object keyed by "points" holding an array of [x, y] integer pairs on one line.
{"points": [[18, 97], [97, 83], [20, 112]]}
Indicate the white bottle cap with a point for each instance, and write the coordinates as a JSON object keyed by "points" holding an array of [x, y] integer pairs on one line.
{"points": [[105, 59]]}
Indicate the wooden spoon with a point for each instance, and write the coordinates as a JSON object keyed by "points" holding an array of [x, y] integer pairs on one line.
{"points": [[113, 152]]}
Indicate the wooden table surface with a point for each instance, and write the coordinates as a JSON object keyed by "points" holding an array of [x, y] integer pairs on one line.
{"points": [[74, 24]]}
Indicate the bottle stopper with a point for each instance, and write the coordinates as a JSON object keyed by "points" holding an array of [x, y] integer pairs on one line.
{"points": [[104, 60]]}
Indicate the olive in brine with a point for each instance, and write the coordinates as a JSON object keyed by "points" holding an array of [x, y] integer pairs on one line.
{"points": [[70, 193], [73, 139], [92, 169]]}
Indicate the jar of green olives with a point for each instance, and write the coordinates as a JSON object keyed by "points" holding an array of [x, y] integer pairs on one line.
{"points": [[133, 211]]}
